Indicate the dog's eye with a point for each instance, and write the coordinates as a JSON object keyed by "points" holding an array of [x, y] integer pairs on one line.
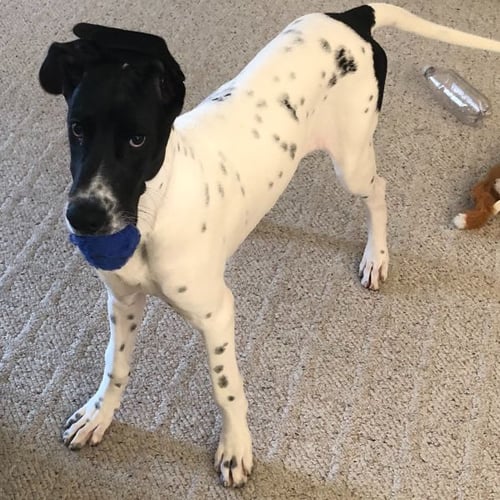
{"points": [[77, 130], [136, 141]]}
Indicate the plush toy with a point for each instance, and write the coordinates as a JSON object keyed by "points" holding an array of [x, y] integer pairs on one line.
{"points": [[486, 197], [109, 251]]}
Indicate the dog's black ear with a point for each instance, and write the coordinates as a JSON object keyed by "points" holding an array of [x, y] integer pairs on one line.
{"points": [[123, 41], [64, 65], [170, 88]]}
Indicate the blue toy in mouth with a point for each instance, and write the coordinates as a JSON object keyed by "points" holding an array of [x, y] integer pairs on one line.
{"points": [[108, 251]]}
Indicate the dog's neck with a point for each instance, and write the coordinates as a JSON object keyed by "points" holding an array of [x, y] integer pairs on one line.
{"points": [[156, 189]]}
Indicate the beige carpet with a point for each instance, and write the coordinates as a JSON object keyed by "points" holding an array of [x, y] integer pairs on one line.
{"points": [[352, 394]]}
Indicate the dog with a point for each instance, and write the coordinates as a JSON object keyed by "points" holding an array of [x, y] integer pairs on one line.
{"points": [[486, 197], [196, 184]]}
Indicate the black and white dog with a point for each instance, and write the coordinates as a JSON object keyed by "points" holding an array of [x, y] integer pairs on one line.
{"points": [[195, 185]]}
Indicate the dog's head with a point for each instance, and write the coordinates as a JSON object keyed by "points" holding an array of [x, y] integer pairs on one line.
{"points": [[124, 91]]}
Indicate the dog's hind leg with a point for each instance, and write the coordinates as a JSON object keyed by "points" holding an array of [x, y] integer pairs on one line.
{"points": [[89, 423], [359, 175]]}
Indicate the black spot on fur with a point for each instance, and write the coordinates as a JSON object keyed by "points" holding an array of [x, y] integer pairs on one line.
{"points": [[218, 368], [182, 289], [112, 318], [203, 227], [98, 405], [366, 110], [220, 349], [122, 347], [280, 175], [332, 81], [242, 190], [285, 102], [345, 61], [110, 375], [284, 146], [373, 180], [118, 385], [208, 315], [255, 133], [207, 195], [276, 137], [223, 382], [130, 317], [223, 168], [133, 326], [258, 118], [222, 97], [262, 103], [302, 101], [382, 251], [230, 398], [293, 150], [270, 185], [325, 45], [221, 190], [144, 252]]}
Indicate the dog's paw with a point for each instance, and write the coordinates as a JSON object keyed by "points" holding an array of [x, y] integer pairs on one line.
{"points": [[88, 424], [233, 460], [374, 267]]}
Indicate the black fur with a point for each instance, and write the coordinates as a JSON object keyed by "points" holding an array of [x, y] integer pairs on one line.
{"points": [[361, 20], [118, 85]]}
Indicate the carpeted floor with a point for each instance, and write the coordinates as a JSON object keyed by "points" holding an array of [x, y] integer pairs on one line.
{"points": [[352, 394]]}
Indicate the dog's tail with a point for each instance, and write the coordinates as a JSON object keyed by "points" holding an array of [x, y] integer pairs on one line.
{"points": [[390, 15]]}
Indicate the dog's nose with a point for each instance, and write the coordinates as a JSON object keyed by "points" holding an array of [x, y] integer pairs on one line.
{"points": [[87, 216]]}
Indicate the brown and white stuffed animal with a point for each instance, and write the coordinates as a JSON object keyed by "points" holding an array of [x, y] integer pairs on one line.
{"points": [[486, 196]]}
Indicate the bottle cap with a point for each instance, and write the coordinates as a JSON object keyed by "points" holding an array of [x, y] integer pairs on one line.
{"points": [[428, 71]]}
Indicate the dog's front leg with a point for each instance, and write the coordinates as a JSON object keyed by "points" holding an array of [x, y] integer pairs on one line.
{"points": [[88, 424], [233, 459]]}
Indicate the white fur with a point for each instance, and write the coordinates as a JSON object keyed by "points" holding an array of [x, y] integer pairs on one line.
{"points": [[460, 221]]}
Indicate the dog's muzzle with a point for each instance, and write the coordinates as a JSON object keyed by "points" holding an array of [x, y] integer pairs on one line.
{"points": [[87, 216]]}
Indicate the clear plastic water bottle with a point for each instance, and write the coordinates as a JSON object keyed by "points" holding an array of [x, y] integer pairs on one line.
{"points": [[457, 95]]}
